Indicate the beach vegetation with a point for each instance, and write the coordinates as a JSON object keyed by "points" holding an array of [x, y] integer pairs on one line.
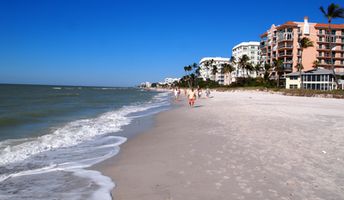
{"points": [[278, 69], [333, 11], [304, 43]]}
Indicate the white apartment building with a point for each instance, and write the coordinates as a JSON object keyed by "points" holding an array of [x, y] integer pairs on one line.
{"points": [[206, 68], [251, 49], [169, 81]]}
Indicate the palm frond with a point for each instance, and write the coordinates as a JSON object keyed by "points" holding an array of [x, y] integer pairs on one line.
{"points": [[323, 11], [339, 13]]}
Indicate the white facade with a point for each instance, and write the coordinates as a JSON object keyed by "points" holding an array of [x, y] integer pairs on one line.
{"points": [[206, 71], [251, 49], [146, 84], [169, 81]]}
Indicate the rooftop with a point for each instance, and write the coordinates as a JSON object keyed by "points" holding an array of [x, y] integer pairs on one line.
{"points": [[213, 58], [254, 43], [319, 71]]}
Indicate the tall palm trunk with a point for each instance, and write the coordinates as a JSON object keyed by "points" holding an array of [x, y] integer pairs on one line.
{"points": [[332, 60], [300, 72]]}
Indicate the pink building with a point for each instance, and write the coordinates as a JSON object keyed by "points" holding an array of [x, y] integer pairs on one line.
{"points": [[281, 42]]}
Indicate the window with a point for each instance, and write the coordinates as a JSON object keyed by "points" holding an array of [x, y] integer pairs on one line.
{"points": [[293, 86], [320, 31], [293, 78], [317, 86], [318, 77]]}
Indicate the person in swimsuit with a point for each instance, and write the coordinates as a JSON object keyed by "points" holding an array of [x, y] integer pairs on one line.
{"points": [[192, 97]]}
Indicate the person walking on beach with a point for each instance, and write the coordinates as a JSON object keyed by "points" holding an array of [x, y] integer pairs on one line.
{"points": [[192, 97], [176, 94], [207, 92], [199, 92]]}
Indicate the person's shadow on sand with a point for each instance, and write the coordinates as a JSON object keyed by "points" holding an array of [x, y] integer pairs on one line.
{"points": [[197, 106]]}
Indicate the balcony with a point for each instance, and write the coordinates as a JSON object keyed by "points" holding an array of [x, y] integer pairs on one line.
{"points": [[338, 41], [285, 54], [285, 47], [323, 34], [285, 36], [288, 67], [323, 49]]}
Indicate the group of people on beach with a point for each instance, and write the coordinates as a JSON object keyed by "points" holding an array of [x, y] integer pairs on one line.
{"points": [[191, 94]]}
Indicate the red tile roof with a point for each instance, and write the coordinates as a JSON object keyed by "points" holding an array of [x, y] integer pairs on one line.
{"points": [[287, 24], [264, 34], [335, 26]]}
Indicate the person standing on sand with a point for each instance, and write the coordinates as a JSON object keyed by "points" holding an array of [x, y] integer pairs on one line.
{"points": [[176, 94], [192, 97], [199, 92], [207, 92]]}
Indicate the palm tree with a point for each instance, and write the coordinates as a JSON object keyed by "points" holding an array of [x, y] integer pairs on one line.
{"points": [[333, 11], [228, 68], [214, 71], [316, 64], [249, 68], [267, 69], [304, 44], [194, 66], [278, 68], [188, 69], [232, 60], [243, 62], [257, 68]]}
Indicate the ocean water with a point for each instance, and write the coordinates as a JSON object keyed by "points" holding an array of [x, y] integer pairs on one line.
{"points": [[50, 134]]}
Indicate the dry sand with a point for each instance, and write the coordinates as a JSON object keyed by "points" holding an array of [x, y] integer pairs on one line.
{"points": [[237, 145]]}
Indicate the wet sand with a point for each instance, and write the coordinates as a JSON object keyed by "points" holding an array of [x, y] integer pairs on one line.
{"points": [[237, 145]]}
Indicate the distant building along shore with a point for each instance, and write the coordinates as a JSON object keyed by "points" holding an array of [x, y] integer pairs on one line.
{"points": [[282, 43]]}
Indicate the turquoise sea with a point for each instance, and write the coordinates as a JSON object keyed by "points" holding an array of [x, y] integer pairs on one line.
{"points": [[50, 134]]}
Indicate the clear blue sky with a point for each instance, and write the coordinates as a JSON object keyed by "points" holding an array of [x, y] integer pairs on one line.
{"points": [[122, 43]]}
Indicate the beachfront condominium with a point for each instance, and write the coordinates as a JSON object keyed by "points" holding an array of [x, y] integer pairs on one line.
{"points": [[211, 68], [251, 49], [282, 43]]}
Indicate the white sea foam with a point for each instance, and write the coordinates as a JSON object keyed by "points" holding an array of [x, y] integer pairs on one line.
{"points": [[75, 132], [70, 148], [57, 88]]}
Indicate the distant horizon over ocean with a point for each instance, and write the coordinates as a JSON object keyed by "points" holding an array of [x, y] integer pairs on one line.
{"points": [[49, 134], [69, 85]]}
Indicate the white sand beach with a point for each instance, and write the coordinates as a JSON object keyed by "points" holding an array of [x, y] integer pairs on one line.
{"points": [[237, 145]]}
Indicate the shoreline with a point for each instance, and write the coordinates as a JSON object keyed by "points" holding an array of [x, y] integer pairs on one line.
{"points": [[237, 145]]}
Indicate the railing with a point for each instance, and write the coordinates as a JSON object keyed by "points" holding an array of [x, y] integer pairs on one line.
{"points": [[285, 54], [333, 41], [287, 67], [322, 48], [285, 46]]}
